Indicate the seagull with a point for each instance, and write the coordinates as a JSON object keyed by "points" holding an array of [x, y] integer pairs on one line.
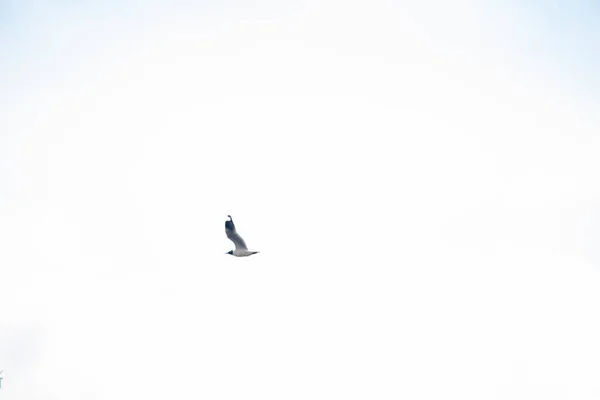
{"points": [[241, 250]]}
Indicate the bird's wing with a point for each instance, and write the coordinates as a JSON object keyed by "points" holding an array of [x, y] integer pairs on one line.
{"points": [[234, 236]]}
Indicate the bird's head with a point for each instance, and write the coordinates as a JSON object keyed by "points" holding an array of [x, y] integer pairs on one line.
{"points": [[230, 252]]}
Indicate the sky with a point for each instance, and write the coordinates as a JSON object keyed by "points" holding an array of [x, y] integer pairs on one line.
{"points": [[420, 179]]}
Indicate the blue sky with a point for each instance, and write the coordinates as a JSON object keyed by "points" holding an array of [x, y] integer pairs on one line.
{"points": [[558, 37], [565, 38], [420, 180]]}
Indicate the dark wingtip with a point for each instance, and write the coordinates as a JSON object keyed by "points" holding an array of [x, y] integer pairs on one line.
{"points": [[229, 224]]}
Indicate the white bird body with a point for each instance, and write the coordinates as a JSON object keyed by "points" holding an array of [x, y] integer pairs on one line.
{"points": [[241, 250], [243, 253]]}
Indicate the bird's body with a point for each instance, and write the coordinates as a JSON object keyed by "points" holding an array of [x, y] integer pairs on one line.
{"points": [[242, 253], [241, 250]]}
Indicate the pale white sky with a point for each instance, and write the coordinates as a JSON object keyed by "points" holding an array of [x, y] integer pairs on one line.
{"points": [[421, 181]]}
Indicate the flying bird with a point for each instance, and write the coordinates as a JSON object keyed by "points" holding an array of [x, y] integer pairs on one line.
{"points": [[241, 250]]}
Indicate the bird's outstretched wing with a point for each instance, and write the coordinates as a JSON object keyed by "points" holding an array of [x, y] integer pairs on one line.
{"points": [[234, 236]]}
